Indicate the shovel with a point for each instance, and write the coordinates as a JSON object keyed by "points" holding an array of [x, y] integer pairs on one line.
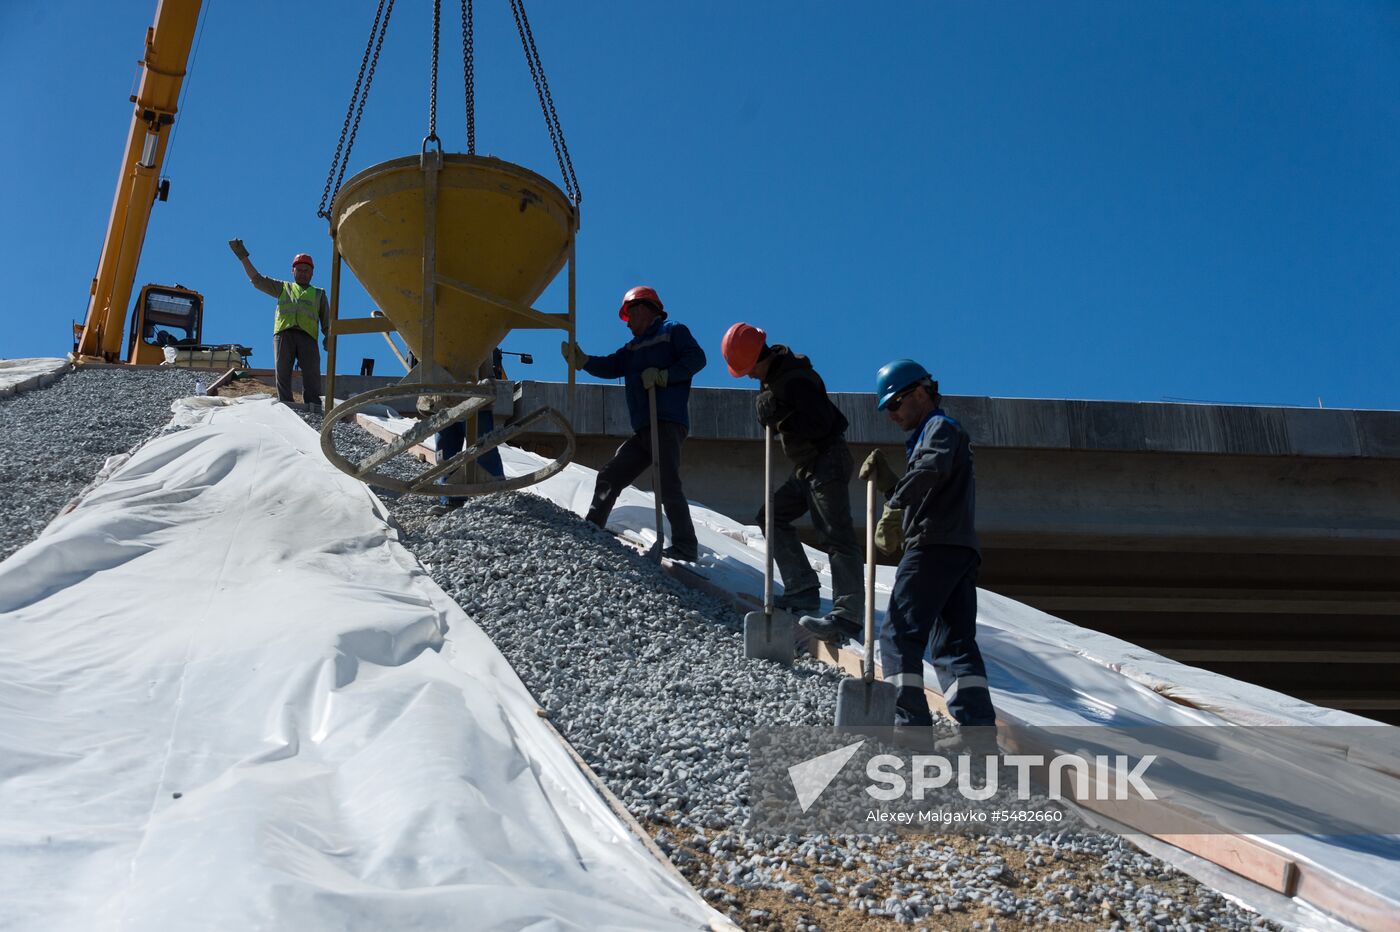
{"points": [[655, 551], [867, 702], [768, 635]]}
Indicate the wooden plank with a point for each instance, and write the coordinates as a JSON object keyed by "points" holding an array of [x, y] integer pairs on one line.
{"points": [[422, 453], [1346, 899], [221, 381], [1244, 856]]}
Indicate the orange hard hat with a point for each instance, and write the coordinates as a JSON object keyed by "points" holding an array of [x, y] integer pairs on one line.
{"points": [[741, 347], [301, 257], [641, 293]]}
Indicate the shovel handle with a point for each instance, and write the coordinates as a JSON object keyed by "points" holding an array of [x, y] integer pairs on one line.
{"points": [[655, 467], [869, 665], [768, 520]]}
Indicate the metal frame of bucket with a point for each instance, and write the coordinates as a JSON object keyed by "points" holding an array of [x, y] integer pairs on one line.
{"points": [[429, 377], [473, 398]]}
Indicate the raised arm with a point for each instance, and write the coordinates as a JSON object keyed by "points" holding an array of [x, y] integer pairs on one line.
{"points": [[261, 282]]}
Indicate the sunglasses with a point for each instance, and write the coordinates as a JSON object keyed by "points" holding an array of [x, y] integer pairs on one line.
{"points": [[893, 404]]}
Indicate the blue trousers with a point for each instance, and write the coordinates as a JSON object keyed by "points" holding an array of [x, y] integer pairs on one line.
{"points": [[453, 438], [933, 607]]}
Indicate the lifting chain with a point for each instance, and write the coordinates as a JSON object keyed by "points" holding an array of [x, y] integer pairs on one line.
{"points": [[432, 96], [469, 57], [341, 160], [356, 107], [551, 118]]}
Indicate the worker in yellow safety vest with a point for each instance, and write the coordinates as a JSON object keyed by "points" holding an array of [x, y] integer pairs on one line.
{"points": [[301, 309]]}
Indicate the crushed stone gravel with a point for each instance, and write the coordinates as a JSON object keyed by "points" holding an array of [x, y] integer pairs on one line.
{"points": [[53, 440]]}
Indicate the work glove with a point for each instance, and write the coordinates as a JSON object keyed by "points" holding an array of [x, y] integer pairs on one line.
{"points": [[238, 248], [576, 359], [653, 378], [878, 468], [767, 406], [889, 532]]}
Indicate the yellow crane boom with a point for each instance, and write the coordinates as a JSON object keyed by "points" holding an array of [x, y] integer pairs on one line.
{"points": [[168, 42]]}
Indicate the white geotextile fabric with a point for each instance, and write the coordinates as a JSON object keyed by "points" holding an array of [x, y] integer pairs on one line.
{"points": [[1043, 671], [223, 706], [19, 372]]}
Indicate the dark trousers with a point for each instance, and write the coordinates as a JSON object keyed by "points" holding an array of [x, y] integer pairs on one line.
{"points": [[295, 345], [823, 488], [933, 606], [452, 438], [629, 462]]}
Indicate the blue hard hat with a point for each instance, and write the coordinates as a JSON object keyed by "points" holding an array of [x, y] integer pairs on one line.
{"points": [[895, 377]]}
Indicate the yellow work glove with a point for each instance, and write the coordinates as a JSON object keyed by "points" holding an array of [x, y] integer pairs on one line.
{"points": [[889, 532], [576, 359], [653, 378], [238, 248], [877, 468]]}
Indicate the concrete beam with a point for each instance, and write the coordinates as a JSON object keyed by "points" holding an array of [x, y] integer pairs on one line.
{"points": [[1032, 423]]}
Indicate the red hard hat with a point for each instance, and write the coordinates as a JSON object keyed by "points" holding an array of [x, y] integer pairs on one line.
{"points": [[641, 293], [740, 347], [301, 257]]}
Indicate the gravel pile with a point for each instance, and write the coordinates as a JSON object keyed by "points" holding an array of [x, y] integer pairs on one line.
{"points": [[54, 440], [647, 679]]}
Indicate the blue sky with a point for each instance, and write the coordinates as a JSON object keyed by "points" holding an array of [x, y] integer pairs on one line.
{"points": [[1142, 201]]}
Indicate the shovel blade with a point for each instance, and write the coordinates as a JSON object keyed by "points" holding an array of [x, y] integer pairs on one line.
{"points": [[865, 705], [769, 637]]}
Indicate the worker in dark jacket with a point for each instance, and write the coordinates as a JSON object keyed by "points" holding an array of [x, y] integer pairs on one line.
{"points": [[662, 355], [929, 519], [453, 438], [792, 400]]}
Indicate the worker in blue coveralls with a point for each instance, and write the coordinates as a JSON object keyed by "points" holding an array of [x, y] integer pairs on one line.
{"points": [[452, 438], [661, 355], [928, 521]]}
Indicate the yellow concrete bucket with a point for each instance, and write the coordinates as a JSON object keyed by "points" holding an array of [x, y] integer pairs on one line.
{"points": [[453, 249], [503, 233]]}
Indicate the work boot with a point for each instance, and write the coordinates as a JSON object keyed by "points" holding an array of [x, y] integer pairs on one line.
{"points": [[832, 627], [443, 507], [921, 739], [805, 602], [976, 740], [681, 554]]}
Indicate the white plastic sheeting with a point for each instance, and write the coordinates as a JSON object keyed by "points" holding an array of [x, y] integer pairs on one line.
{"points": [[19, 375], [229, 698]]}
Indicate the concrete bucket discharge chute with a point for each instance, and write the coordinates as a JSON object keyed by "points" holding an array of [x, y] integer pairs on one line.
{"points": [[453, 249]]}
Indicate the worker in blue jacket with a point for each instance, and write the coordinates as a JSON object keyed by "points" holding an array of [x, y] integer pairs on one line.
{"points": [[662, 355], [929, 524]]}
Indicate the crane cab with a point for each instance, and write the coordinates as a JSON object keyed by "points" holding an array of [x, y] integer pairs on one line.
{"points": [[167, 324], [164, 315]]}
